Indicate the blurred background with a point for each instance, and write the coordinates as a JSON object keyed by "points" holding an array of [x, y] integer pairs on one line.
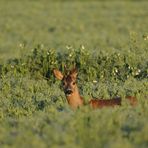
{"points": [[55, 24]]}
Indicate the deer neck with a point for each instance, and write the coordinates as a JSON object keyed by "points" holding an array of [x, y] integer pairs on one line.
{"points": [[75, 100]]}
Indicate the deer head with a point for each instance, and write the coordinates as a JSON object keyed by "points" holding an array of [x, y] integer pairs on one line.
{"points": [[68, 81]]}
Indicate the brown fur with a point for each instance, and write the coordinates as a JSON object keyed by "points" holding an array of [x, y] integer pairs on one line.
{"points": [[75, 100], [99, 103]]}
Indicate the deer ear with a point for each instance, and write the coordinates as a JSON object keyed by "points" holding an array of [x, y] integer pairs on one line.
{"points": [[74, 72], [58, 74]]}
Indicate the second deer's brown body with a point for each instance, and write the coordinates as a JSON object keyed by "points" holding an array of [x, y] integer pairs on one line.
{"points": [[75, 100]]}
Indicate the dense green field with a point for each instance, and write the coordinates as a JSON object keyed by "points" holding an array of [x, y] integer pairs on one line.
{"points": [[108, 42]]}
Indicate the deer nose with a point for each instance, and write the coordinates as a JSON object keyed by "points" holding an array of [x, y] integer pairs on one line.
{"points": [[68, 92]]}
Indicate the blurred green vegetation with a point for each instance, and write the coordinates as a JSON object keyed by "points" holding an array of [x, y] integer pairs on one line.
{"points": [[107, 41], [97, 25]]}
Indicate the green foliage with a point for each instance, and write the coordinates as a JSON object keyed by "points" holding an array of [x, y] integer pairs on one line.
{"points": [[33, 107], [97, 65], [97, 25], [112, 61]]}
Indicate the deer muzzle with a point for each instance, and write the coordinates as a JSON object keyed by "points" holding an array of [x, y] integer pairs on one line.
{"points": [[68, 92]]}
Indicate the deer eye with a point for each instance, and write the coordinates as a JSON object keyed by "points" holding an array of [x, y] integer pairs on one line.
{"points": [[74, 83]]}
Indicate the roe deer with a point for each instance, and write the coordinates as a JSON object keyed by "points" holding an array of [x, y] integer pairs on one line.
{"points": [[72, 92]]}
